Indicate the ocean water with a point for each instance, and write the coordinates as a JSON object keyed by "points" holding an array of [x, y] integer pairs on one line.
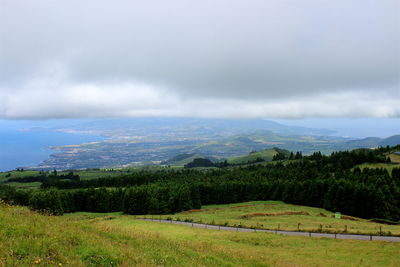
{"points": [[20, 147]]}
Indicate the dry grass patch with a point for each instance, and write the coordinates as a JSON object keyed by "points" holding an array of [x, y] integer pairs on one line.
{"points": [[394, 158], [258, 214], [227, 208]]}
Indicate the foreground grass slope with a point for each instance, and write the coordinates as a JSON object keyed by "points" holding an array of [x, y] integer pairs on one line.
{"points": [[84, 239], [277, 214]]}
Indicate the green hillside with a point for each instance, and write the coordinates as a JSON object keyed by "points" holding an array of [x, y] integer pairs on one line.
{"points": [[4, 176], [182, 159], [390, 141], [94, 239], [264, 155], [277, 214]]}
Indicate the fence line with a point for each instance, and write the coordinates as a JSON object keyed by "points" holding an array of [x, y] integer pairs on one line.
{"points": [[294, 233]]}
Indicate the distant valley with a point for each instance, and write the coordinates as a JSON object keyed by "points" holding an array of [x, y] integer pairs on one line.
{"points": [[153, 141]]}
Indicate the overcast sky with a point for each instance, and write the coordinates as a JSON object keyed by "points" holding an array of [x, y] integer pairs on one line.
{"points": [[206, 58]]}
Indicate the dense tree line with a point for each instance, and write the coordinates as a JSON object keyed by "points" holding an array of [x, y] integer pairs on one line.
{"points": [[154, 199], [332, 182], [312, 167], [200, 162]]}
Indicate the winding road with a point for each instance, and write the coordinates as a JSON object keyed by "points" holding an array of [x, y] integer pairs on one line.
{"points": [[294, 233]]}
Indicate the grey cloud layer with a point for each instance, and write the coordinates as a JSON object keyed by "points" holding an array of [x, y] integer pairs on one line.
{"points": [[260, 54]]}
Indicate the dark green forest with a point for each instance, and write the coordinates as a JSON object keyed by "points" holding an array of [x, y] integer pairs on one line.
{"points": [[332, 182]]}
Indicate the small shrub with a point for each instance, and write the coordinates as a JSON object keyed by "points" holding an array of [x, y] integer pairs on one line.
{"points": [[96, 259]]}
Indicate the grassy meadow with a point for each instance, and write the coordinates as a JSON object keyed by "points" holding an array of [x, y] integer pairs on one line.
{"points": [[4, 176], [388, 166], [395, 163], [279, 215], [266, 154], [88, 239], [395, 158], [83, 174]]}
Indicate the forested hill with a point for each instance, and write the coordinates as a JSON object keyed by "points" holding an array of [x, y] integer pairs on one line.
{"points": [[332, 182]]}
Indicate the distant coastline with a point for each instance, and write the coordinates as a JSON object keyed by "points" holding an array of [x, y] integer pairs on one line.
{"points": [[24, 148]]}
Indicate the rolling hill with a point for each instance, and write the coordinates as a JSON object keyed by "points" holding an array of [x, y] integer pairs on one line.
{"points": [[263, 155], [183, 159]]}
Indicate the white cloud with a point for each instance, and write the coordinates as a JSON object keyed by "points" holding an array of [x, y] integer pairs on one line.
{"points": [[227, 58], [44, 99]]}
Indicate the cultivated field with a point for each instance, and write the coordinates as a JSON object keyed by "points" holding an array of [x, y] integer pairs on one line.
{"points": [[86, 239]]}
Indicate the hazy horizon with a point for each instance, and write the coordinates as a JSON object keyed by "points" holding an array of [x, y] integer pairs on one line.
{"points": [[344, 127]]}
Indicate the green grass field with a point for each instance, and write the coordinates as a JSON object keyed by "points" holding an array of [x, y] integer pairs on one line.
{"points": [[32, 185], [83, 174], [4, 176], [266, 154], [395, 163], [387, 166], [86, 239], [95, 174], [274, 217]]}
